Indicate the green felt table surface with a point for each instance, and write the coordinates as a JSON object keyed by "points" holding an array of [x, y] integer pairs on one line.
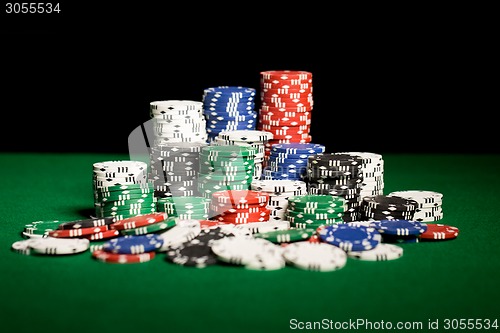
{"points": [[456, 279]]}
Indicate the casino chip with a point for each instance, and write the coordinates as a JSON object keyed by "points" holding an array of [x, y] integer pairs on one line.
{"points": [[381, 252], [139, 221], [38, 229], [178, 121], [286, 102], [387, 207], [293, 165], [339, 175], [313, 256], [121, 189], [175, 169], [247, 138], [134, 244], [52, 246], [350, 238], [256, 253], [183, 232], [429, 204], [198, 251], [228, 168], [116, 258], [439, 232], [399, 227], [313, 211], [229, 108], [286, 236], [262, 227], [373, 173]]}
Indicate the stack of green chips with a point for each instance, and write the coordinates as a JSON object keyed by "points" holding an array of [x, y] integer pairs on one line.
{"points": [[314, 211], [225, 168], [185, 207]]}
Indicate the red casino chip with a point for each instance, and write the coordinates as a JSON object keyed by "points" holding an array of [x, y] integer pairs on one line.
{"points": [[439, 232], [139, 221], [286, 84], [292, 129], [295, 108], [261, 212], [71, 233], [227, 209], [299, 106], [236, 197], [293, 140], [284, 75], [263, 122], [206, 224], [314, 239], [289, 98], [281, 115], [286, 90], [292, 137], [285, 131], [103, 235], [242, 219], [122, 258]]}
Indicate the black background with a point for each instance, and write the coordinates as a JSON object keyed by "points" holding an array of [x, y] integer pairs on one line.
{"points": [[405, 83]]}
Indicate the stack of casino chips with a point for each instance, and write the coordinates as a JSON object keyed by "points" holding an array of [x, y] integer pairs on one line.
{"points": [[387, 207], [289, 160], [225, 168], [185, 208], [239, 206], [247, 138], [373, 173], [279, 191], [338, 175], [229, 108], [429, 204], [178, 121], [314, 211], [174, 168], [286, 101], [121, 189]]}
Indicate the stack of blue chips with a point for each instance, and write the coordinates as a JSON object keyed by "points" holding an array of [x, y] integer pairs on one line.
{"points": [[229, 108], [289, 160]]}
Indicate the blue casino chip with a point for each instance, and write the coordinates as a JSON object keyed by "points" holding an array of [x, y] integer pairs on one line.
{"points": [[299, 148], [134, 244], [399, 227], [350, 237]]}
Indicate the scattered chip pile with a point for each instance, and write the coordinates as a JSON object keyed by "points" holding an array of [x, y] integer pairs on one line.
{"points": [[373, 173], [225, 168], [121, 189], [269, 245], [314, 211], [246, 138], [337, 175], [229, 108], [174, 168], [387, 207], [178, 121], [429, 204], [279, 191], [289, 160], [185, 207], [239, 206], [286, 102]]}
